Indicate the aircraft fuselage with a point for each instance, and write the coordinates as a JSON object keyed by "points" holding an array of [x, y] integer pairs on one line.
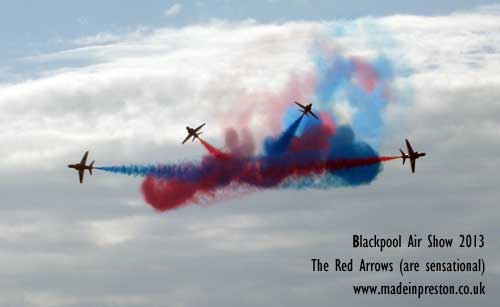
{"points": [[411, 155], [192, 131], [417, 155], [307, 110], [80, 167], [414, 156]]}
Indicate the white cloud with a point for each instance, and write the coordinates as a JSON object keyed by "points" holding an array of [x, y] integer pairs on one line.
{"points": [[343, 111], [156, 82], [115, 231], [174, 10], [161, 80], [99, 38]]}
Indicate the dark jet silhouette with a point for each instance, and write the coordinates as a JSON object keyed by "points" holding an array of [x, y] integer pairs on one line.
{"points": [[412, 155], [306, 110], [81, 167], [193, 133]]}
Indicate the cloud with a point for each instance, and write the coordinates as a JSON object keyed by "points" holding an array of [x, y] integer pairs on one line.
{"points": [[171, 73], [174, 10], [114, 231], [49, 299], [99, 244], [99, 38]]}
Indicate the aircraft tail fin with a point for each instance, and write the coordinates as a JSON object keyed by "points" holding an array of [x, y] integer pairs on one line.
{"points": [[403, 156], [91, 166]]}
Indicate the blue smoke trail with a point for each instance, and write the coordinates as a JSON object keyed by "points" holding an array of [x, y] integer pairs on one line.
{"points": [[280, 145], [187, 172], [338, 82], [309, 153]]}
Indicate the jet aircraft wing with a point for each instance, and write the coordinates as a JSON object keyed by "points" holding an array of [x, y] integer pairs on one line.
{"points": [[300, 105], [84, 159], [80, 174], [199, 127], [410, 150], [314, 115], [412, 165], [187, 138]]}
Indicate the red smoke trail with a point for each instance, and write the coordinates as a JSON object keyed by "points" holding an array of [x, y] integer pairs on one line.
{"points": [[318, 154], [262, 176], [222, 174], [164, 195], [366, 74], [214, 151]]}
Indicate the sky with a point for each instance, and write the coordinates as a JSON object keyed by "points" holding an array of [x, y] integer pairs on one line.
{"points": [[122, 79]]}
